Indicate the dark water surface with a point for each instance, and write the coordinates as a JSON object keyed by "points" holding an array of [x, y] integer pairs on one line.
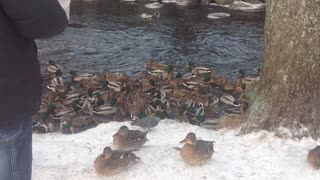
{"points": [[114, 36]]}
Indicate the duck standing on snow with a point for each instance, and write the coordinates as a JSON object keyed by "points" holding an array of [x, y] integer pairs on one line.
{"points": [[129, 140], [114, 162], [314, 157], [196, 152]]}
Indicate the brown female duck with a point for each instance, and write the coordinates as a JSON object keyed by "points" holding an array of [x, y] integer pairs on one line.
{"points": [[196, 152], [314, 157], [151, 65], [114, 162], [127, 140]]}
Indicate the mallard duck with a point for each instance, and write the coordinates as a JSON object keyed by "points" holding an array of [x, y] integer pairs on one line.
{"points": [[70, 98], [53, 67], [113, 162], [92, 84], [210, 106], [159, 74], [191, 85], [122, 109], [111, 77], [199, 115], [179, 93], [228, 86], [43, 121], [196, 152], [106, 109], [239, 86], [130, 86], [230, 100], [126, 139], [64, 112], [198, 97], [75, 77], [200, 71], [188, 76], [244, 103], [210, 123], [57, 80], [314, 157], [247, 80], [174, 82], [57, 88], [149, 83], [160, 112], [211, 101], [151, 65], [81, 121], [217, 81], [197, 70]]}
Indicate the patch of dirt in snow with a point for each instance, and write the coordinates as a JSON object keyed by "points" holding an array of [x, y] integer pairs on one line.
{"points": [[250, 157]]}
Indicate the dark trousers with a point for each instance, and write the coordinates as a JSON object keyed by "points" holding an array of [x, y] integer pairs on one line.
{"points": [[16, 151]]}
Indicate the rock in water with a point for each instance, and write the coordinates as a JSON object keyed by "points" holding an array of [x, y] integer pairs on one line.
{"points": [[154, 5], [244, 6], [146, 16], [218, 15], [147, 122]]}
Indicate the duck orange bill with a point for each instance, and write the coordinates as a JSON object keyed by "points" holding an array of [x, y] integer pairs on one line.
{"points": [[183, 141]]}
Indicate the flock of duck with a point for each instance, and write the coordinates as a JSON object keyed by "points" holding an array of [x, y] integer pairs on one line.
{"points": [[194, 152], [110, 162], [161, 91]]}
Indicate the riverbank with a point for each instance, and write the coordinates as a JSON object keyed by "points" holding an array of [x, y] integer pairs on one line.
{"points": [[250, 157]]}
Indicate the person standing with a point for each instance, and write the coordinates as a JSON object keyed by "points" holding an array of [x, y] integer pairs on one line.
{"points": [[21, 22]]}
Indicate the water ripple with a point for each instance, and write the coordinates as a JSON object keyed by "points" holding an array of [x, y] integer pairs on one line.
{"points": [[115, 37]]}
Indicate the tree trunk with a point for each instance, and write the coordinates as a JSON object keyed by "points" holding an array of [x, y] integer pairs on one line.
{"points": [[288, 94]]}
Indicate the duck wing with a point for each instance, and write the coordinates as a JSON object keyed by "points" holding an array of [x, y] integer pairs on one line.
{"points": [[204, 146], [118, 155], [136, 134], [318, 153]]}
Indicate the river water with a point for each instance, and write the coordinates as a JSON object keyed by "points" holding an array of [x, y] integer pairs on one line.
{"points": [[110, 34]]}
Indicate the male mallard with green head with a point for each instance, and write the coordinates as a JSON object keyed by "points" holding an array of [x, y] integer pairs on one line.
{"points": [[53, 67]]}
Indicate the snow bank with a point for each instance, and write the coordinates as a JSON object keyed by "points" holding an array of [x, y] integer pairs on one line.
{"points": [[255, 156]]}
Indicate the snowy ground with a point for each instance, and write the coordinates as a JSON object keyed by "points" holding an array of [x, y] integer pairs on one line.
{"points": [[255, 156]]}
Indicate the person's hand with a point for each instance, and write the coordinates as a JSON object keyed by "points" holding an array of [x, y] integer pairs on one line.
{"points": [[66, 6]]}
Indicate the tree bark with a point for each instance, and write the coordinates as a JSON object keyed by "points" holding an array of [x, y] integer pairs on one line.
{"points": [[288, 94]]}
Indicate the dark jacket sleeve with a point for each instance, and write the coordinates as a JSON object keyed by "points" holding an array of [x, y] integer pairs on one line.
{"points": [[36, 19]]}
